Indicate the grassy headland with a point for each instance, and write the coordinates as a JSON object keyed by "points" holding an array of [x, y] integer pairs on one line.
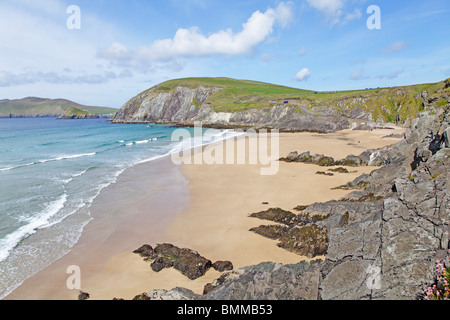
{"points": [[385, 104], [32, 107]]}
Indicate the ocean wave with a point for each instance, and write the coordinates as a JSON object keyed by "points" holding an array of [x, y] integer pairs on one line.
{"points": [[55, 213], [67, 157], [12, 240], [129, 144], [16, 167], [48, 160], [142, 141], [195, 142], [79, 174], [107, 144], [75, 175]]}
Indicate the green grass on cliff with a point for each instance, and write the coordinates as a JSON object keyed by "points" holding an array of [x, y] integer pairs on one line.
{"points": [[238, 94], [385, 104]]}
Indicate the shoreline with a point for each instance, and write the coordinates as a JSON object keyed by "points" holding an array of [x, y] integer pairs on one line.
{"points": [[121, 220], [209, 214]]}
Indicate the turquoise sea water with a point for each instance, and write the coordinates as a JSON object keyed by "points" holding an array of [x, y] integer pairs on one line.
{"points": [[50, 173]]}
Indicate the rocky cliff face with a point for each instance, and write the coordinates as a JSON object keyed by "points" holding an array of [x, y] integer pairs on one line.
{"points": [[231, 103], [186, 105], [383, 238]]}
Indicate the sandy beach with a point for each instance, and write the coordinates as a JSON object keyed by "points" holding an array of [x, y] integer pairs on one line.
{"points": [[202, 207]]}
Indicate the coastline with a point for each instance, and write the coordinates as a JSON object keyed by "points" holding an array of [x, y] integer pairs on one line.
{"points": [[200, 207], [134, 209]]}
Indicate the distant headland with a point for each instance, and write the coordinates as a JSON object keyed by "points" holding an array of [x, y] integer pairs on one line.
{"points": [[33, 107]]}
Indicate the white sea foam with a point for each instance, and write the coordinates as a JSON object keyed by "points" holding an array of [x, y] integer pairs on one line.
{"points": [[58, 212], [67, 157], [65, 181], [16, 167], [11, 240], [79, 174], [195, 142], [49, 160], [30, 230], [142, 141], [87, 202]]}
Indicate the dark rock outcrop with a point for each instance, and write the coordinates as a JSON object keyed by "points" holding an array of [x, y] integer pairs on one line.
{"points": [[83, 296], [163, 262], [339, 170], [176, 294], [296, 233], [188, 262], [266, 281], [276, 215], [146, 251], [222, 266], [322, 173], [270, 281], [372, 157], [77, 116]]}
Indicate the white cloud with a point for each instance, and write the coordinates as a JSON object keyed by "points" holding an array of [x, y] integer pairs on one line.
{"points": [[331, 9], [40, 56], [9, 79], [170, 54], [355, 15], [49, 7], [334, 11], [395, 47], [358, 75], [37, 46], [303, 75], [284, 13], [116, 51], [192, 43]]}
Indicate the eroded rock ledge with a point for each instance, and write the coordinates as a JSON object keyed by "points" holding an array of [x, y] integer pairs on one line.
{"points": [[372, 157], [300, 234]]}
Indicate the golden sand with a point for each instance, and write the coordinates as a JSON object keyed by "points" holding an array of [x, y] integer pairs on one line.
{"points": [[215, 221]]}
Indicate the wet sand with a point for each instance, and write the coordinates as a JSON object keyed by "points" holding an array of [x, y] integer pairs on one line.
{"points": [[201, 207]]}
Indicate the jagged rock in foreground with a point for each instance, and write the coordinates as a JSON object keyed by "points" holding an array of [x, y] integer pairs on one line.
{"points": [[384, 237], [266, 281], [389, 248]]}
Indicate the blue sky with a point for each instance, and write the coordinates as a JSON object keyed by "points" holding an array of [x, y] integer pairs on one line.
{"points": [[124, 47]]}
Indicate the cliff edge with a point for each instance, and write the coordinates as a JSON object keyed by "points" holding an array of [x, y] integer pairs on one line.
{"points": [[230, 103]]}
